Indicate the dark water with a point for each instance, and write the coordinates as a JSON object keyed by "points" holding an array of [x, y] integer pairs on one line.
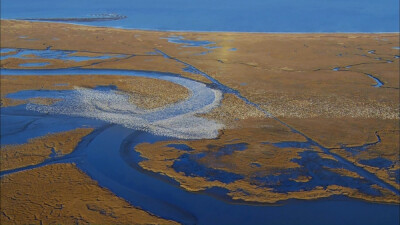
{"points": [[107, 156], [377, 162], [222, 15], [119, 173], [181, 147], [19, 125], [190, 166]]}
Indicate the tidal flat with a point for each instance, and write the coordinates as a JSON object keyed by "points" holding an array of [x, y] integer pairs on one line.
{"points": [[164, 125]]}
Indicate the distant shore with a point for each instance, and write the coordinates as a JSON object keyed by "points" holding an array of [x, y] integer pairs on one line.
{"points": [[95, 18]]}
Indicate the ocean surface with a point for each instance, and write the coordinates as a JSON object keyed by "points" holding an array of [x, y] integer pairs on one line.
{"points": [[221, 15]]}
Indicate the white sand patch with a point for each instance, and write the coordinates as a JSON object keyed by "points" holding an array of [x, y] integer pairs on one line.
{"points": [[176, 120]]}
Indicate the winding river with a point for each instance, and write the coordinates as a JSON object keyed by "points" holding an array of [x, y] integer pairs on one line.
{"points": [[107, 155]]}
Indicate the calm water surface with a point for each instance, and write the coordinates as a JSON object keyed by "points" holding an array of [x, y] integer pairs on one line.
{"points": [[222, 15]]}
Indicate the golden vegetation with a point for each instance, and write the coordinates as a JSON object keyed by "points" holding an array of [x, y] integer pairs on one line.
{"points": [[159, 158], [61, 194], [233, 109], [387, 149], [39, 149], [145, 92]]}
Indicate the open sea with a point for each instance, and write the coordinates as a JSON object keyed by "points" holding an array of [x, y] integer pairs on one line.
{"points": [[221, 15]]}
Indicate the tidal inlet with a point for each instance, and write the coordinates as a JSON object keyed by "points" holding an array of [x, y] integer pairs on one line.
{"points": [[200, 112]]}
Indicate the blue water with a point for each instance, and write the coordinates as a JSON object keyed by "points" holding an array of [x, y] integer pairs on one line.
{"points": [[18, 128], [377, 162], [395, 174], [107, 155], [379, 83], [181, 147], [38, 64], [50, 54], [312, 165], [119, 173], [192, 43], [212, 47], [255, 165], [7, 50], [191, 69], [355, 150], [26, 94], [189, 43], [223, 15], [105, 88], [291, 144], [230, 149], [54, 153], [189, 165]]}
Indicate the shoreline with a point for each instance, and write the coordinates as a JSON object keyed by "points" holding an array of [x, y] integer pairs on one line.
{"points": [[200, 32]]}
